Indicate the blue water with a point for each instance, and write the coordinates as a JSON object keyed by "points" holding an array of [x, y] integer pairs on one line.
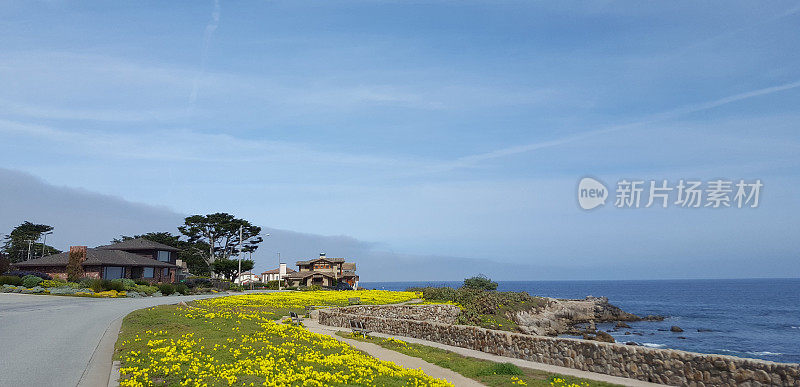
{"points": [[754, 318]]}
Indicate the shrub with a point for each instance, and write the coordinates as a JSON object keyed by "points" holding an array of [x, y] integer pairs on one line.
{"points": [[146, 289], [23, 273], [479, 282], [127, 284], [182, 289], [166, 289], [30, 281], [96, 284], [5, 264], [198, 281], [10, 280], [52, 283], [74, 267], [116, 285], [141, 282], [501, 369]]}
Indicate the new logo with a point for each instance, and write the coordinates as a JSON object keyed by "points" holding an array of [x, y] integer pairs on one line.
{"points": [[591, 193]]}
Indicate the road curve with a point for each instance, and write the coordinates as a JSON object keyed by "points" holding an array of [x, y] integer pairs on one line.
{"points": [[49, 340]]}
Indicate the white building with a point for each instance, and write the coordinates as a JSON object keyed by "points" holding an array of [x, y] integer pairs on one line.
{"points": [[274, 274], [246, 278]]}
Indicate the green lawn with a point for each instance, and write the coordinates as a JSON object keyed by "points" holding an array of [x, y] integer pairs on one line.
{"points": [[484, 371]]}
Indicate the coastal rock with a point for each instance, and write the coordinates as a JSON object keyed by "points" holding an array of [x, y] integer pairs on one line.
{"points": [[559, 316], [622, 324], [675, 328], [604, 337]]}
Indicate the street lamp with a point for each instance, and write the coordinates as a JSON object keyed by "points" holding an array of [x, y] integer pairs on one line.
{"points": [[44, 244]]}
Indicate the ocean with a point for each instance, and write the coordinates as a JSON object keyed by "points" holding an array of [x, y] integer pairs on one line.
{"points": [[753, 318]]}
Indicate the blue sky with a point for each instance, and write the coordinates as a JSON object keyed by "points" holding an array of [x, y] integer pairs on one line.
{"points": [[455, 129]]}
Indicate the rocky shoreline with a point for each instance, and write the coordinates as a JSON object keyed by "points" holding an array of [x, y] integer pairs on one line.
{"points": [[575, 317]]}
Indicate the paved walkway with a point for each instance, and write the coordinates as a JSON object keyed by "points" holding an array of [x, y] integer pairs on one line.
{"points": [[396, 357], [314, 326], [64, 341]]}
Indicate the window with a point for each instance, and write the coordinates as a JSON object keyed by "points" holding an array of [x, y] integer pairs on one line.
{"points": [[163, 256], [147, 272], [165, 273], [113, 272]]}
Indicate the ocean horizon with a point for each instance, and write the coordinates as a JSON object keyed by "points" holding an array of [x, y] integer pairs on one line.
{"points": [[752, 318]]}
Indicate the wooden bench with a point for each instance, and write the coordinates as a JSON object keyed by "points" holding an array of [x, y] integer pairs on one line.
{"points": [[354, 301], [359, 328]]}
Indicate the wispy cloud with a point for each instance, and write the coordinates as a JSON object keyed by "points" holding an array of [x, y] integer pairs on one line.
{"points": [[211, 27], [472, 160]]}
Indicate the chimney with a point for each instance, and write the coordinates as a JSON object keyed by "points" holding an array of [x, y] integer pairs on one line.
{"points": [[282, 271]]}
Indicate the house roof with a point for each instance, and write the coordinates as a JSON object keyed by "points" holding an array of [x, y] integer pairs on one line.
{"points": [[310, 261], [138, 244], [97, 257], [276, 271], [305, 274]]}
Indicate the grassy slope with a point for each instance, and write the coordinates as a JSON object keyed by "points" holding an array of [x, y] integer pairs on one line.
{"points": [[479, 369], [222, 338]]}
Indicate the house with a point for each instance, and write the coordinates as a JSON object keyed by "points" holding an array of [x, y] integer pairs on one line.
{"points": [[133, 259], [246, 278], [323, 271], [280, 273]]}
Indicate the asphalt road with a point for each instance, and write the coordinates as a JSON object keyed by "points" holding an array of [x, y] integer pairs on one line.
{"points": [[49, 340]]}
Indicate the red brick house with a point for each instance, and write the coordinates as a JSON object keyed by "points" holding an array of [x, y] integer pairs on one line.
{"points": [[133, 259]]}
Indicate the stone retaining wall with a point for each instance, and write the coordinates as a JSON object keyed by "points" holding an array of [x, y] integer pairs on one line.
{"points": [[441, 313], [649, 364]]}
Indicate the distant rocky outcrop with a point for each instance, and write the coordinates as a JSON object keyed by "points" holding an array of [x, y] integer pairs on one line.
{"points": [[558, 316]]}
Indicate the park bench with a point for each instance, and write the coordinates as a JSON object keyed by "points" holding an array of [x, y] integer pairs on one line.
{"points": [[295, 318], [354, 301], [359, 328]]}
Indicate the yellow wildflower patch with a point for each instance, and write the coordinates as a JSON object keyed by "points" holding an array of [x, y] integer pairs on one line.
{"points": [[234, 341]]}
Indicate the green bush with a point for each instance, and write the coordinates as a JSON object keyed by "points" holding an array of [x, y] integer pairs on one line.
{"points": [[479, 282], [501, 369], [53, 283], [10, 280], [146, 289], [126, 284], [30, 281], [114, 285], [96, 284], [166, 289], [181, 288]]}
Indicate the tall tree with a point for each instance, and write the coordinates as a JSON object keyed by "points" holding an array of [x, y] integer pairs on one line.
{"points": [[191, 253], [22, 242], [220, 233]]}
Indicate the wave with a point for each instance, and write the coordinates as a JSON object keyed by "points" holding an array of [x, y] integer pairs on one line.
{"points": [[753, 353], [653, 345]]}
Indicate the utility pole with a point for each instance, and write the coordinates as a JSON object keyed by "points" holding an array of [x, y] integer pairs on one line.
{"points": [[240, 254], [30, 242], [44, 244], [279, 271]]}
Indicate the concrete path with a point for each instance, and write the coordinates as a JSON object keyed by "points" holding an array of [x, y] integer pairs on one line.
{"points": [[314, 326], [64, 341], [395, 357]]}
